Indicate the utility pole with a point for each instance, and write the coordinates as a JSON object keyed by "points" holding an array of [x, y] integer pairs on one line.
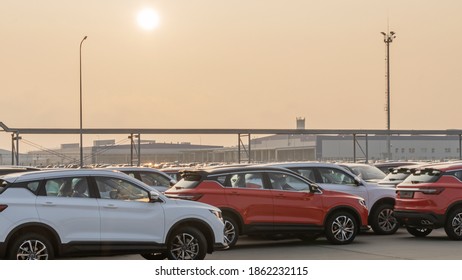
{"points": [[388, 38]]}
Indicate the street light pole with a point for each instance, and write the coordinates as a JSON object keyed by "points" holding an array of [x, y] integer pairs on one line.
{"points": [[81, 131], [388, 38]]}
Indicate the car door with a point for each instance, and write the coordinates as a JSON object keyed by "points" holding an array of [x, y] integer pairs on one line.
{"points": [[246, 194], [294, 204], [73, 214], [127, 214]]}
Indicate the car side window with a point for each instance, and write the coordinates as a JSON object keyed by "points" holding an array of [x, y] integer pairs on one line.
{"points": [[113, 188], [152, 179], [335, 176], [33, 186], [67, 187], [281, 181], [307, 173], [253, 180]]}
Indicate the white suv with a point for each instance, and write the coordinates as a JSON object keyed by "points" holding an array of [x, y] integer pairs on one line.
{"points": [[46, 214], [380, 200]]}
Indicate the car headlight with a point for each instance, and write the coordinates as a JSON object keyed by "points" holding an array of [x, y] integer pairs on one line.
{"points": [[217, 214], [362, 202]]}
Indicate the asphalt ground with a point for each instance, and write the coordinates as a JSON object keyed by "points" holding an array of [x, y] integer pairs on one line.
{"points": [[366, 246]]}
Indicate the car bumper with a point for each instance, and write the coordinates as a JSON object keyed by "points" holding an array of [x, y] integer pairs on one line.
{"points": [[420, 219]]}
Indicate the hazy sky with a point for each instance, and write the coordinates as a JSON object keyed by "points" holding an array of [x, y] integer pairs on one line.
{"points": [[228, 64]]}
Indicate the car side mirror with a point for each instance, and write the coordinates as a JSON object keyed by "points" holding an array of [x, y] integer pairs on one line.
{"points": [[315, 188], [172, 182], [154, 196]]}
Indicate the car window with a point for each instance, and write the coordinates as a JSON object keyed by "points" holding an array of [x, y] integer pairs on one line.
{"points": [[251, 180], [33, 186], [65, 187], [426, 175], [52, 187], [154, 179], [335, 176], [113, 188], [307, 173], [282, 181]]}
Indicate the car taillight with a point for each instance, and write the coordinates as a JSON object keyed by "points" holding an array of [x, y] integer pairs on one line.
{"points": [[185, 196], [3, 207], [405, 194], [432, 190]]}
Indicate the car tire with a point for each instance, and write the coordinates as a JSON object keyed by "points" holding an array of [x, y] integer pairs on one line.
{"points": [[30, 246], [453, 225], [231, 231], [187, 243], [383, 221], [155, 256], [419, 232], [341, 228]]}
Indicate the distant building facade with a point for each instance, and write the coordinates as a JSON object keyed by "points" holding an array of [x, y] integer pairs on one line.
{"points": [[264, 149]]}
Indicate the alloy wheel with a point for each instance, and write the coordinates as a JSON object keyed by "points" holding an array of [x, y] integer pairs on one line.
{"points": [[387, 222], [185, 247], [32, 250], [343, 228]]}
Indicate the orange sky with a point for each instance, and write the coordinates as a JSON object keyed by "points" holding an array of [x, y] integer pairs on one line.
{"points": [[228, 64]]}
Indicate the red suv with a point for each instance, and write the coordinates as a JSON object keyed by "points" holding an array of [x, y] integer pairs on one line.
{"points": [[270, 200], [430, 198]]}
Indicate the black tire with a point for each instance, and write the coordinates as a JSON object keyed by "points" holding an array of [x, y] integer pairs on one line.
{"points": [[383, 221], [30, 246], [187, 243], [155, 256], [453, 225], [341, 228], [231, 231], [419, 232]]}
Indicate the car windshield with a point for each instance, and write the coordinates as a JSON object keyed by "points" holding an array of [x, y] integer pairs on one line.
{"points": [[368, 172], [426, 175]]}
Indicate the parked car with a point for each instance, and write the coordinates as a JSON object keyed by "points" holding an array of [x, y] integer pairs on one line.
{"points": [[380, 200], [6, 169], [87, 212], [431, 198], [174, 172], [261, 200], [150, 176], [388, 166], [367, 172]]}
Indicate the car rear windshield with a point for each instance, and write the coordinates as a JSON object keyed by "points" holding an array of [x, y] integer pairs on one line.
{"points": [[427, 175], [189, 180], [398, 174]]}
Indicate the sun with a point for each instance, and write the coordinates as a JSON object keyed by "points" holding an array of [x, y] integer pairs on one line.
{"points": [[148, 19]]}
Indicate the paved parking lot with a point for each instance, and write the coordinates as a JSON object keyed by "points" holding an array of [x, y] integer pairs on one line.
{"points": [[367, 246]]}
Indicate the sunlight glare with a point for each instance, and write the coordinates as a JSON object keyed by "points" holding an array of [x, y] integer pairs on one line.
{"points": [[148, 19]]}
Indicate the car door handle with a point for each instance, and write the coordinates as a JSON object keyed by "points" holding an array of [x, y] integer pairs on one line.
{"points": [[49, 203], [112, 206], [235, 193]]}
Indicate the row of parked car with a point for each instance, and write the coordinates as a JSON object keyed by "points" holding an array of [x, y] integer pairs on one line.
{"points": [[125, 210]]}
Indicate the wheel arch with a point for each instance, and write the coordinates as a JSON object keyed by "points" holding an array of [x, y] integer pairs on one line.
{"points": [[38, 228], [348, 209], [385, 200], [454, 205], [236, 216]]}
